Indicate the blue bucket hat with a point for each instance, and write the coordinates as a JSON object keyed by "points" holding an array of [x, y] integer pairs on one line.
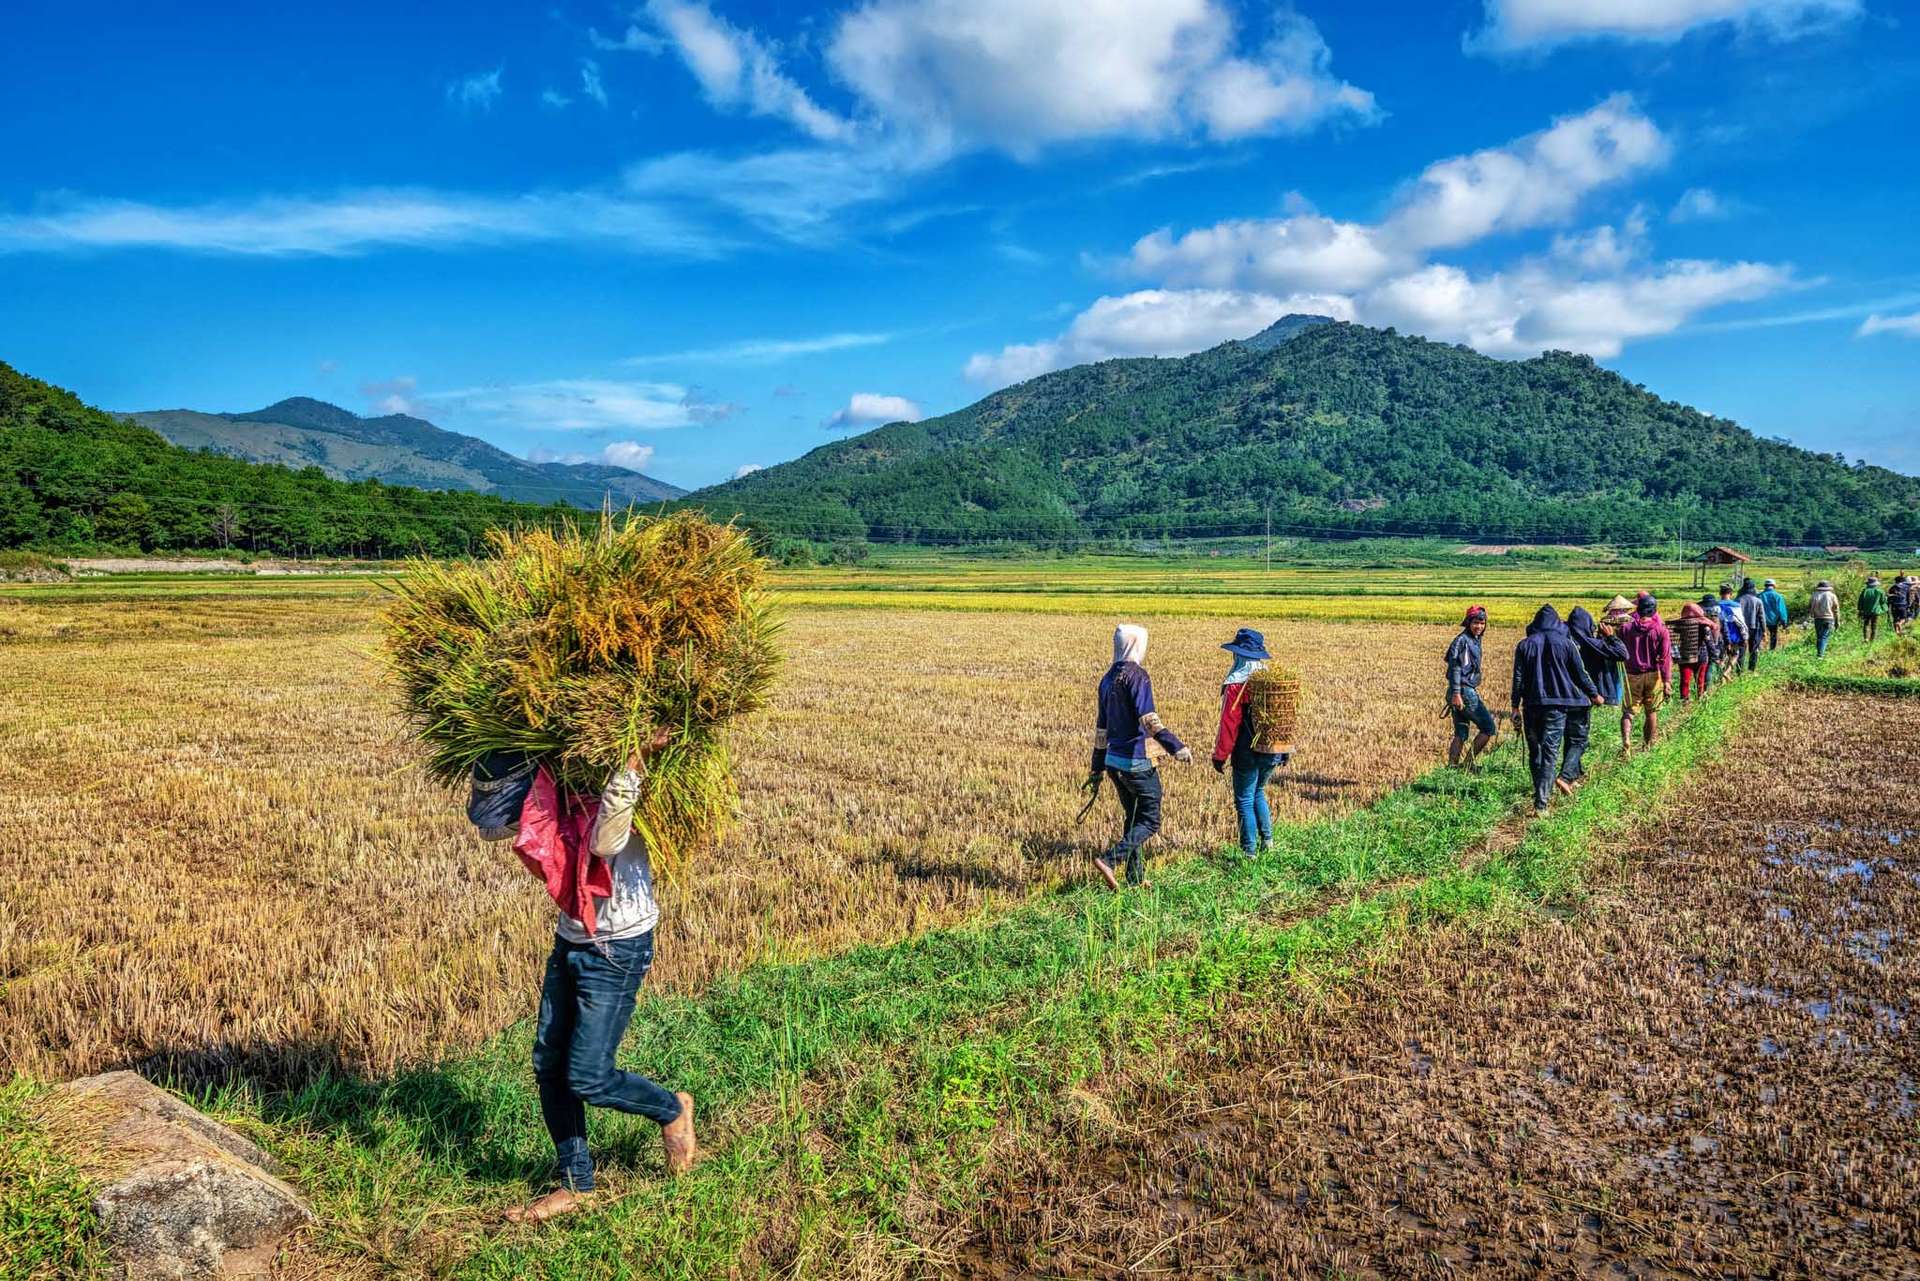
{"points": [[501, 781], [1247, 643]]}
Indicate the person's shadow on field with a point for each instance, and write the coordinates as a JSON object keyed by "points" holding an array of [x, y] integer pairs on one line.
{"points": [[484, 1127]]}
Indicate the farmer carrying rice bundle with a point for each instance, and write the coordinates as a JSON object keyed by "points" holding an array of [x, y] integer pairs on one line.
{"points": [[1124, 722], [581, 682]]}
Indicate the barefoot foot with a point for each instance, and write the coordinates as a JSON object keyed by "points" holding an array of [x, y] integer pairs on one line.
{"points": [[677, 1136], [554, 1204], [1101, 866]]}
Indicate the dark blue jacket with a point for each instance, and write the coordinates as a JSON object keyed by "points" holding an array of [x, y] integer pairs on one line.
{"points": [[1598, 654], [1127, 719], [1547, 668]]}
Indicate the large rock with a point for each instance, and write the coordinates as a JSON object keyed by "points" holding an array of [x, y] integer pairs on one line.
{"points": [[184, 1196]]}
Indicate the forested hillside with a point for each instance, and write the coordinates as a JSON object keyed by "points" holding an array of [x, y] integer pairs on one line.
{"points": [[1333, 428], [77, 478], [398, 449]]}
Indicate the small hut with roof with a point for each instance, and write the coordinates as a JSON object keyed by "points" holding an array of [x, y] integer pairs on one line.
{"points": [[1712, 558]]}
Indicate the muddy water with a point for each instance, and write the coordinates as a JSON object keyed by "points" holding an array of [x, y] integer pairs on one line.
{"points": [[1712, 1070]]}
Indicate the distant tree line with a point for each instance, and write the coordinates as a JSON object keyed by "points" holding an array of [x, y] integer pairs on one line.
{"points": [[76, 479]]}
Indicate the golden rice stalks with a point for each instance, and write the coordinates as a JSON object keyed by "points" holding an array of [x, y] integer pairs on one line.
{"points": [[578, 646]]}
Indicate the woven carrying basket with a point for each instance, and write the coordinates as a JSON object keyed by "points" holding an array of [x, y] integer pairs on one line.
{"points": [[1273, 704]]}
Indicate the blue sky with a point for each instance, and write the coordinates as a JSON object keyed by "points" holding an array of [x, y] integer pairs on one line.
{"points": [[698, 237]]}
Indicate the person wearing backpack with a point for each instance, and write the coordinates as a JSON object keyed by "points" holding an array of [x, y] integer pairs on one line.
{"points": [[1733, 632], [1244, 742]]}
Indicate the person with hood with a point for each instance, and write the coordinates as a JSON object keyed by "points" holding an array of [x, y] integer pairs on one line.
{"points": [[1600, 652], [597, 871], [1873, 604], [1776, 607], [1693, 649], [1549, 678], [1824, 608], [1125, 720], [1753, 621], [1471, 719], [1234, 743], [1649, 669], [1733, 631], [1901, 602]]}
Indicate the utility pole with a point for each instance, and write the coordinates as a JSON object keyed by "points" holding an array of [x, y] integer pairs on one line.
{"points": [[1269, 537]]}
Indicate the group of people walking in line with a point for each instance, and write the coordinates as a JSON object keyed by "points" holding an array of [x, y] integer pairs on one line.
{"points": [[1562, 671]]}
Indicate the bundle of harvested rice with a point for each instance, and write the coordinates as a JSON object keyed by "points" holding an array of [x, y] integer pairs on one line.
{"points": [[1273, 704], [577, 647]]}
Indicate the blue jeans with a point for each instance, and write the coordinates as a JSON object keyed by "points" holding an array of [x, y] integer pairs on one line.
{"points": [[1822, 633], [586, 1003], [1250, 798]]}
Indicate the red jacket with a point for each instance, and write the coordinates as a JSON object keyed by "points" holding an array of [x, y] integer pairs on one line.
{"points": [[1233, 721], [556, 844]]}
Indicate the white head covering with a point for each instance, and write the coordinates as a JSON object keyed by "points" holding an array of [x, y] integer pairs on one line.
{"points": [[1129, 643]]}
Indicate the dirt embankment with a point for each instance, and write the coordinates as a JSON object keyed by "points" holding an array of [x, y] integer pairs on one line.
{"points": [[1713, 1072]]}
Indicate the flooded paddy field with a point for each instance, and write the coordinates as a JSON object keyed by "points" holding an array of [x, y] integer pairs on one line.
{"points": [[1710, 1068]]}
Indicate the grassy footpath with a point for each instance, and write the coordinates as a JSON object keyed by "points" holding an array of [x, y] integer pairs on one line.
{"points": [[851, 1099]]}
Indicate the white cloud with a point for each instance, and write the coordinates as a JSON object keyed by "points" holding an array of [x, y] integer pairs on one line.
{"points": [[1533, 181], [590, 81], [633, 40], [476, 92], [1701, 204], [574, 404], [1592, 291], [359, 221], [871, 409], [630, 454], [555, 99], [736, 71], [756, 351], [1520, 24], [1906, 326], [1304, 251], [1019, 74], [747, 469], [391, 395], [1149, 322], [797, 195], [1535, 308]]}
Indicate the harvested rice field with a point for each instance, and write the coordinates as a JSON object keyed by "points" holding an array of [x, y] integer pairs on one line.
{"points": [[221, 854], [1709, 1069]]}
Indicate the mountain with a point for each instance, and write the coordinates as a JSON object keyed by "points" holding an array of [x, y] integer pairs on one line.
{"points": [[76, 479], [397, 449], [1326, 427]]}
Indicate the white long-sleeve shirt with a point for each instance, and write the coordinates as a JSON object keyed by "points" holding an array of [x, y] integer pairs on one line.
{"points": [[631, 909]]}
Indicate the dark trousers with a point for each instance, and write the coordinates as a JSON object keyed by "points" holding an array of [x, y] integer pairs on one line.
{"points": [[1773, 635], [1546, 730], [1140, 819], [1579, 727], [586, 1003], [1753, 651], [1869, 625]]}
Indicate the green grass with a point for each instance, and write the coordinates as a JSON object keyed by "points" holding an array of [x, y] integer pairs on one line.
{"points": [[855, 1095], [47, 1227]]}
